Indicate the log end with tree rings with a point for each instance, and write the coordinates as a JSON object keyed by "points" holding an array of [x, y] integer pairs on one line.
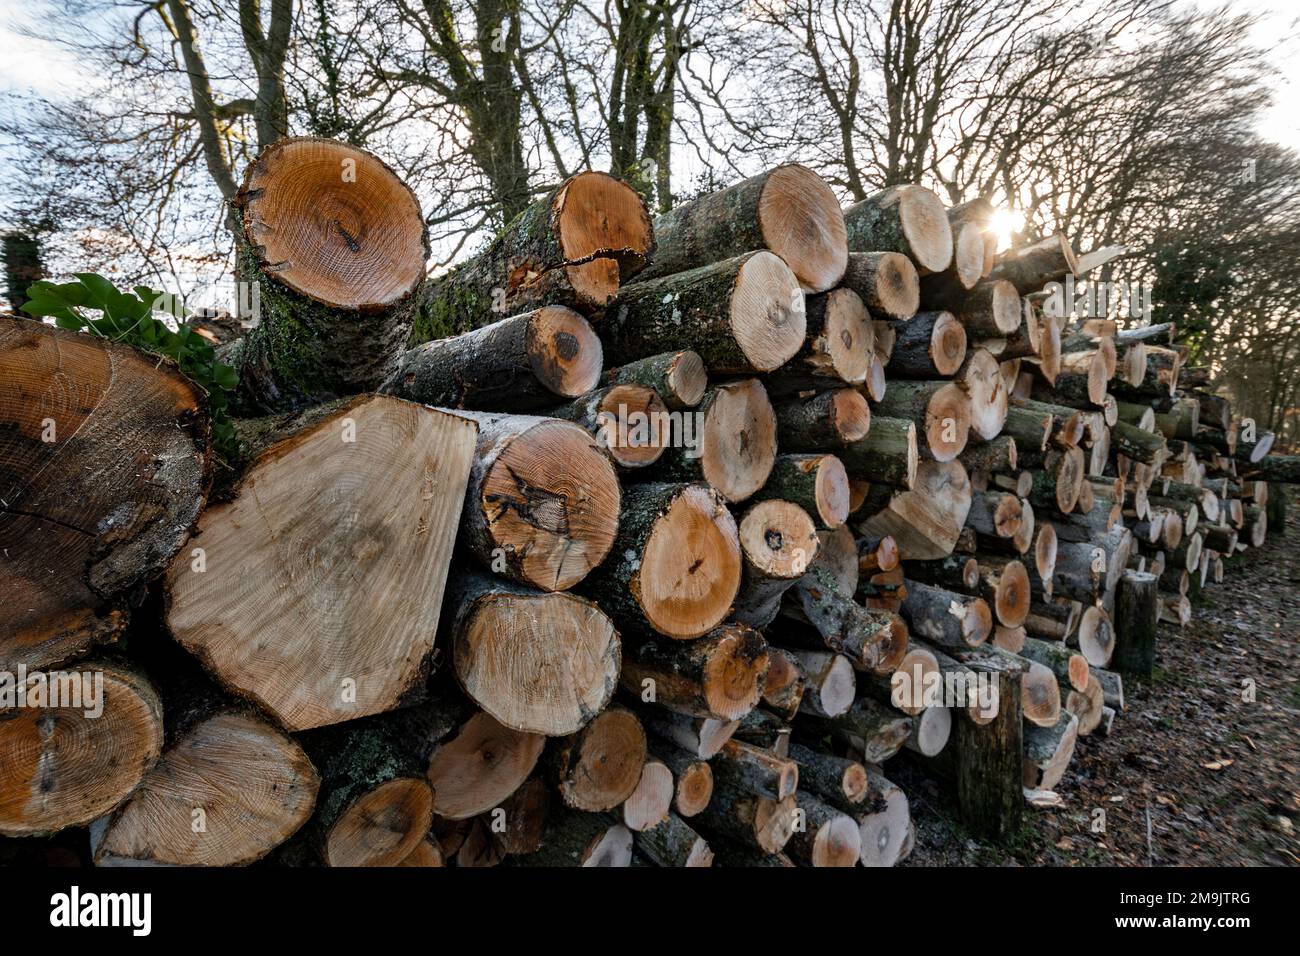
{"points": [[851, 415], [539, 662], [886, 281], [651, 801], [383, 826], [1005, 306], [104, 464], [1040, 695], [254, 784], [968, 254], [1012, 597], [634, 425], [766, 311], [690, 569], [334, 224], [831, 491], [685, 380], [930, 731], [737, 444], [778, 538], [604, 233], [885, 830], [482, 765], [276, 592], [947, 344], [801, 221], [550, 500], [845, 338], [693, 789], [908, 682], [982, 380], [599, 767], [947, 422], [1045, 554], [564, 351], [924, 222], [69, 764], [1096, 636]]}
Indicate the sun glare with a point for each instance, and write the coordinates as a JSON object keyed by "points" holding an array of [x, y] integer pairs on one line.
{"points": [[1005, 223]]}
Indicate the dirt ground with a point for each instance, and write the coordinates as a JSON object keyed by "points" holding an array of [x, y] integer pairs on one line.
{"points": [[1192, 774]]}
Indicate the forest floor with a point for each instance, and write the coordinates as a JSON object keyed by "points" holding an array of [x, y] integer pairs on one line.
{"points": [[1192, 774]]}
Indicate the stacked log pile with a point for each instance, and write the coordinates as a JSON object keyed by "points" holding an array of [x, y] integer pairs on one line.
{"points": [[622, 543]]}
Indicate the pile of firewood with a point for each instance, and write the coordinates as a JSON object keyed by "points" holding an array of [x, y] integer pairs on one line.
{"points": [[622, 542]]}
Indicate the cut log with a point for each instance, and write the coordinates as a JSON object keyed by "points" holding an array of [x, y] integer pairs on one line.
{"points": [[517, 364], [831, 419], [889, 454], [940, 410], [701, 737], [1068, 666], [674, 843], [831, 682], [790, 210], [480, 767], [1030, 268], [885, 831], [76, 743], [928, 345], [583, 840], [992, 310], [541, 506], [679, 378], [105, 467], [720, 675], [693, 777], [838, 780], [873, 730], [1095, 636], [947, 619], [927, 520], [571, 247], [538, 662], [731, 445], [930, 731], [651, 802], [675, 566], [839, 349], [886, 282], [778, 540], [826, 838], [750, 819], [740, 315], [628, 421], [600, 766], [253, 784], [981, 377], [1048, 751], [337, 257], [370, 492], [907, 219], [751, 769], [816, 483]]}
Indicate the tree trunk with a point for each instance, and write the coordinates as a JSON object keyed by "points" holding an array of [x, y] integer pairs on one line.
{"points": [[907, 219]]}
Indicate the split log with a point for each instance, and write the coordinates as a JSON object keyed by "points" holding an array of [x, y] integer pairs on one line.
{"points": [[337, 244], [76, 744], [828, 420], [720, 675], [885, 281], [789, 210], [370, 491], [675, 565], [538, 662], [679, 378], [516, 364], [700, 736], [1086, 705], [741, 315], [573, 247], [907, 219], [106, 465], [600, 766], [733, 446], [927, 520]]}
